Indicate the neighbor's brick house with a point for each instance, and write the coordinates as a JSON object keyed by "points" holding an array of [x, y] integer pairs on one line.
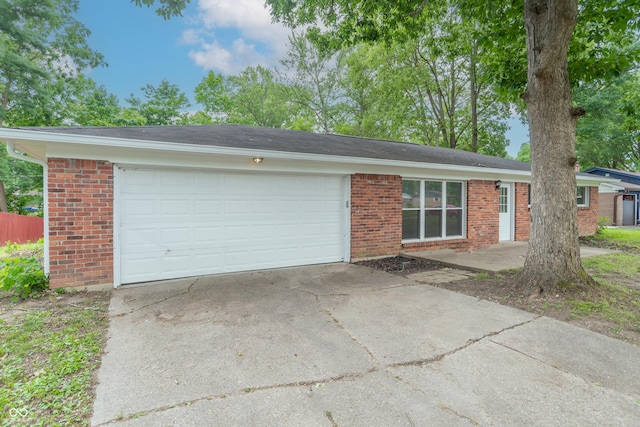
{"points": [[130, 204]]}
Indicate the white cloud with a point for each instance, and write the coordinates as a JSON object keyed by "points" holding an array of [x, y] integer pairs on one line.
{"points": [[260, 41], [213, 56], [191, 37]]}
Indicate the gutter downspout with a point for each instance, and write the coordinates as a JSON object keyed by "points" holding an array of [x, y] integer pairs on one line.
{"points": [[11, 149]]}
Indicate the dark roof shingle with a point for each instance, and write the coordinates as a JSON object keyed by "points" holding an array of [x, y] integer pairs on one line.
{"points": [[249, 137]]}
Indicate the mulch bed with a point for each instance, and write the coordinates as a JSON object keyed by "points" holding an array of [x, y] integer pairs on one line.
{"points": [[402, 265]]}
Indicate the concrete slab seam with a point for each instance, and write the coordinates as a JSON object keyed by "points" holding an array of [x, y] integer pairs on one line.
{"points": [[548, 364], [309, 383], [470, 342], [340, 325]]}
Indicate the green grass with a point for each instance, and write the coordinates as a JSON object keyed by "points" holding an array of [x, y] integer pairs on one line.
{"points": [[9, 249], [622, 264], [615, 302], [47, 360], [619, 237]]}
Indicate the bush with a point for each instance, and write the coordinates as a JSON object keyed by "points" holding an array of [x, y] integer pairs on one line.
{"points": [[21, 276], [603, 222]]}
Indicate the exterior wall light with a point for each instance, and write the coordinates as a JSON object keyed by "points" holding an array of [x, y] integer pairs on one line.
{"points": [[498, 182], [258, 160]]}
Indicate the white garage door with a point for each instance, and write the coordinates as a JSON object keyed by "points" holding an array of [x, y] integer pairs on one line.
{"points": [[178, 223]]}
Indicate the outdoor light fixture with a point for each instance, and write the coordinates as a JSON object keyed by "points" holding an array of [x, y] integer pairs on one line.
{"points": [[257, 160], [498, 182]]}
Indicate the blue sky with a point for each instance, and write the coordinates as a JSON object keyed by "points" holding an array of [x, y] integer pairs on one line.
{"points": [[220, 35]]}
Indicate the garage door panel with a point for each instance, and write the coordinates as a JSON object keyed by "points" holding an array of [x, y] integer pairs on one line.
{"points": [[183, 223]]}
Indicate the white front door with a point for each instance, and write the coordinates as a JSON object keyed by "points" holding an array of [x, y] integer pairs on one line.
{"points": [[506, 213]]}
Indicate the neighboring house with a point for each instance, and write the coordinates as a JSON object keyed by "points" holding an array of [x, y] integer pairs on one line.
{"points": [[619, 201], [138, 204]]}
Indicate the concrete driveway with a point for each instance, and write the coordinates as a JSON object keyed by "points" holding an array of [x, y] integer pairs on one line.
{"points": [[344, 345]]}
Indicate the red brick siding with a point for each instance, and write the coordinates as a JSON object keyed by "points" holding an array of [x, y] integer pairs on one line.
{"points": [[482, 221], [523, 213], [80, 222], [376, 215], [376, 218], [588, 216]]}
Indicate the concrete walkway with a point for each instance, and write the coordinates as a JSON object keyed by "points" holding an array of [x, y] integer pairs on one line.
{"points": [[503, 256], [345, 345]]}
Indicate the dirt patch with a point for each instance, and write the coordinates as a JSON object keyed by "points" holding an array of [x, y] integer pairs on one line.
{"points": [[50, 301]]}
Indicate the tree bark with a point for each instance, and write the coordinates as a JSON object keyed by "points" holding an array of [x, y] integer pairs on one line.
{"points": [[3, 194], [473, 93], [553, 260]]}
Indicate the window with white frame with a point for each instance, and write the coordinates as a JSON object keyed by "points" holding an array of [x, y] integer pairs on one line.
{"points": [[432, 209], [582, 196]]}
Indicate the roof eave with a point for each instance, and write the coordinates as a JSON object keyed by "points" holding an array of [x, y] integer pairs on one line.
{"points": [[24, 140]]}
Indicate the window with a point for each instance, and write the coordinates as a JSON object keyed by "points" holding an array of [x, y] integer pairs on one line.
{"points": [[432, 209], [582, 196]]}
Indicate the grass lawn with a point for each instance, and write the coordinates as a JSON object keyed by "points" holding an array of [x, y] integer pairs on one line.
{"points": [[617, 238], [50, 348]]}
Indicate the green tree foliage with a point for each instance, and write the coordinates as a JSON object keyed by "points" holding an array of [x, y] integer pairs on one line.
{"points": [[163, 105], [313, 80], [22, 183], [524, 155], [607, 136], [165, 8], [258, 99], [254, 97], [42, 46]]}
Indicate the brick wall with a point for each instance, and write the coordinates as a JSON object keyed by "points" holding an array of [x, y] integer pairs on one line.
{"points": [[482, 221], [588, 216], [376, 215], [483, 207], [80, 222], [523, 213], [376, 218]]}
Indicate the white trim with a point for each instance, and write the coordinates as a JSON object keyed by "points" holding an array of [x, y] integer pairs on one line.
{"points": [[512, 211], [443, 210], [347, 218], [587, 196], [45, 199], [117, 280]]}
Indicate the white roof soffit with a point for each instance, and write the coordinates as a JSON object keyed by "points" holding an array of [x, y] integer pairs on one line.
{"points": [[33, 143]]}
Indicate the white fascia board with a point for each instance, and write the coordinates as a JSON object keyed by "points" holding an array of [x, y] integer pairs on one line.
{"points": [[607, 187], [131, 151], [594, 180]]}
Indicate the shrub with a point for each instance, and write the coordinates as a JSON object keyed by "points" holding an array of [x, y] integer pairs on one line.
{"points": [[603, 222], [21, 276]]}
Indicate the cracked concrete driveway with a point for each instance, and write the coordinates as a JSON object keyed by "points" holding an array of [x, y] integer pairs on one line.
{"points": [[344, 345]]}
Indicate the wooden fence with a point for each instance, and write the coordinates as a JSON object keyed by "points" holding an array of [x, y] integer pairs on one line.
{"points": [[19, 228]]}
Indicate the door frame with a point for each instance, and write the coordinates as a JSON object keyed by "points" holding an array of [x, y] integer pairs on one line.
{"points": [[511, 206]]}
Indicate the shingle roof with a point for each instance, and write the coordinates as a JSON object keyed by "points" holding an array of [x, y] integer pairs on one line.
{"points": [[249, 137]]}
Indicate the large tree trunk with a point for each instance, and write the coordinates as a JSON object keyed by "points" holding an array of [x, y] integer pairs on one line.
{"points": [[553, 260], [473, 93]]}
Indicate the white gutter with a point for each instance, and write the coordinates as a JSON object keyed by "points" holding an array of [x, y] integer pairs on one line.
{"points": [[45, 202]]}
